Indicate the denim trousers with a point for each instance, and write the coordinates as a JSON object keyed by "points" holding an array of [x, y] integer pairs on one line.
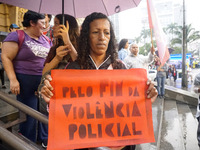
{"points": [[28, 87], [161, 85]]}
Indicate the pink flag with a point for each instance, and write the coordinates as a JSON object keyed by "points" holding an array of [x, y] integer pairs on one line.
{"points": [[154, 24]]}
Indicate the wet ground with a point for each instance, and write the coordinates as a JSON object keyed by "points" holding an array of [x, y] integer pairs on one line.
{"points": [[178, 83]]}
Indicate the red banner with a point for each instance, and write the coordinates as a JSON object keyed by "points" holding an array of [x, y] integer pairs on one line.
{"points": [[93, 108]]}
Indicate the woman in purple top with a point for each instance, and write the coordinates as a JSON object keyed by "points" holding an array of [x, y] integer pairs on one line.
{"points": [[24, 64]]}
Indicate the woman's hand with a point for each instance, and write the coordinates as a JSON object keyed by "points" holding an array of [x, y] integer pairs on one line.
{"points": [[15, 87], [62, 51], [46, 90], [151, 91], [63, 32]]}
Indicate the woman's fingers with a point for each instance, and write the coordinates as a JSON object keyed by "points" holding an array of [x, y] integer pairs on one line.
{"points": [[48, 85], [62, 51], [151, 91], [15, 90], [45, 94], [46, 90], [67, 26]]}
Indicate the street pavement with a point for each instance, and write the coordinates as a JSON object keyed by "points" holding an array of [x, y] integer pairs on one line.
{"points": [[178, 83]]}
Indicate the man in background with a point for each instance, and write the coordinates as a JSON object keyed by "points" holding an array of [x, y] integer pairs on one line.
{"points": [[48, 31], [13, 27]]}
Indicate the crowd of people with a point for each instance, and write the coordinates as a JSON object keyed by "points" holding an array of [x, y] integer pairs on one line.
{"points": [[30, 54], [29, 57]]}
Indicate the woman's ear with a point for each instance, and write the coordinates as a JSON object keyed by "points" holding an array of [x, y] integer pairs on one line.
{"points": [[32, 23]]}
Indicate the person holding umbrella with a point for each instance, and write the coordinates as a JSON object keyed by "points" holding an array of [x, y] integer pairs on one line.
{"points": [[57, 58], [96, 50], [24, 63]]}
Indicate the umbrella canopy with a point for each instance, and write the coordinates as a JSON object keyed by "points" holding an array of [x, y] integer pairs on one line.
{"points": [[76, 8]]}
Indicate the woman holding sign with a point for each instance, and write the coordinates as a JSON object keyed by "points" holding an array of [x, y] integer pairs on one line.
{"points": [[96, 51]]}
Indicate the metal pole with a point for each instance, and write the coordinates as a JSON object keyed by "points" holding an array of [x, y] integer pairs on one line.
{"points": [[14, 141], [184, 73], [26, 109], [63, 17]]}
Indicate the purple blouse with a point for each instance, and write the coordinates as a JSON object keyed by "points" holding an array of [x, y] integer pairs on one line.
{"points": [[32, 54]]}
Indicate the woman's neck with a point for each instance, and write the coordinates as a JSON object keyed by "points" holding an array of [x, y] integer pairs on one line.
{"points": [[98, 60], [31, 33]]}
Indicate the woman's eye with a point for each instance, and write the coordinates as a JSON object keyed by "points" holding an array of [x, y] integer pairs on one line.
{"points": [[107, 33], [95, 32]]}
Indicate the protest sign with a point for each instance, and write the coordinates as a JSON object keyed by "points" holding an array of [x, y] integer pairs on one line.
{"points": [[93, 108]]}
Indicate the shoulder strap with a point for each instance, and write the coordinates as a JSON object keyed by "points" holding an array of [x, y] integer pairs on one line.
{"points": [[47, 38], [21, 37]]}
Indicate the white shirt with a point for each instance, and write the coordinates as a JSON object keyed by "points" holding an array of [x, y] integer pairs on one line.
{"points": [[139, 61]]}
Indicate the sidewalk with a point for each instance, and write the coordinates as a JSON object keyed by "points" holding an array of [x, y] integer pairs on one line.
{"points": [[178, 83]]}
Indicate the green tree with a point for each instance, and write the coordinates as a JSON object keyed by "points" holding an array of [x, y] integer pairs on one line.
{"points": [[171, 28], [145, 34], [191, 35], [137, 40]]}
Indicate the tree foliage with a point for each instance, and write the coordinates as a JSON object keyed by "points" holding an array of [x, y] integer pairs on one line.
{"points": [[174, 31]]}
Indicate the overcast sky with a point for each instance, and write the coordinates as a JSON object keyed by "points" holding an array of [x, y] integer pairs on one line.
{"points": [[131, 26]]}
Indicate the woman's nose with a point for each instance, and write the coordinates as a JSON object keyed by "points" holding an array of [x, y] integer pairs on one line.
{"points": [[101, 35]]}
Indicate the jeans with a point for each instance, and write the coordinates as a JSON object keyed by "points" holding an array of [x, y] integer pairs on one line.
{"points": [[2, 76], [198, 132], [28, 87], [161, 85]]}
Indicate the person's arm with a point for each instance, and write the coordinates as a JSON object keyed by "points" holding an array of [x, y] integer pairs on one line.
{"points": [[150, 57], [63, 32], [196, 87], [61, 51], [9, 52]]}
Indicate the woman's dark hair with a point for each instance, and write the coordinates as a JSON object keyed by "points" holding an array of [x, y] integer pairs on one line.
{"points": [[84, 46], [49, 16], [73, 35], [122, 44], [31, 16]]}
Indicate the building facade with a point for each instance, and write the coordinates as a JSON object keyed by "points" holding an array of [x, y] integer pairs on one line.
{"points": [[8, 15]]}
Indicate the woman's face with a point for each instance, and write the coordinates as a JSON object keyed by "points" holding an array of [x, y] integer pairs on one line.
{"points": [[39, 26], [99, 36], [126, 46], [56, 27], [46, 21]]}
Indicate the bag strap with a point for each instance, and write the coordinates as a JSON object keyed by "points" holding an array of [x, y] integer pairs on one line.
{"points": [[21, 37], [47, 38]]}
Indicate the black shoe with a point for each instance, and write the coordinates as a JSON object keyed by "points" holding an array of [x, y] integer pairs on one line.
{"points": [[44, 144], [3, 87], [160, 96]]}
